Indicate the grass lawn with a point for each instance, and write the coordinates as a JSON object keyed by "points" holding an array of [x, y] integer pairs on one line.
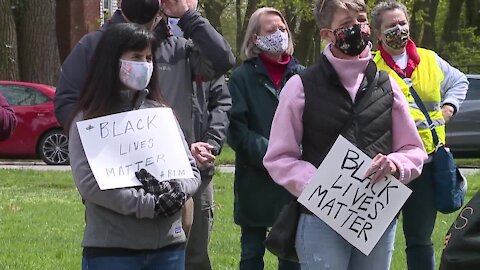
{"points": [[227, 156], [468, 162], [41, 223]]}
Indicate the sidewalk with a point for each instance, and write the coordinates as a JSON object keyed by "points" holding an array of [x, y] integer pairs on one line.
{"points": [[41, 166]]}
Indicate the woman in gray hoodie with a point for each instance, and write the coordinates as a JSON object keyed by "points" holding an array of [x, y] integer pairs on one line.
{"points": [[137, 227]]}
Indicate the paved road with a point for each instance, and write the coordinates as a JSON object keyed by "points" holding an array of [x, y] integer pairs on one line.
{"points": [[39, 165]]}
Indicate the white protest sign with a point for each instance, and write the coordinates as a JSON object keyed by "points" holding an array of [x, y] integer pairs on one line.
{"points": [[356, 208], [118, 145]]}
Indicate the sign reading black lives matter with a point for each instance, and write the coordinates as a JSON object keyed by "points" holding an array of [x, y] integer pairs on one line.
{"points": [[118, 145], [355, 207]]}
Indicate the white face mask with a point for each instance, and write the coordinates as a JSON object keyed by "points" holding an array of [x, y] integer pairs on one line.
{"points": [[274, 43], [135, 75]]}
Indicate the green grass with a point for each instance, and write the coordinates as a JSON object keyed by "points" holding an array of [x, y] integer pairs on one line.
{"points": [[227, 156], [41, 223], [468, 161], [41, 220]]}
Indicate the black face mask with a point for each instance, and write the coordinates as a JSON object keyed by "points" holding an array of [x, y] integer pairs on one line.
{"points": [[352, 40]]}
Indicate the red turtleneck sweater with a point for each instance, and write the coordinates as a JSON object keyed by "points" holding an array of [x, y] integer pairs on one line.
{"points": [[275, 69]]}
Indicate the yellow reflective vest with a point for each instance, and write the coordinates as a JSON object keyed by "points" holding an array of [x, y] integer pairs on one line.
{"points": [[426, 80]]}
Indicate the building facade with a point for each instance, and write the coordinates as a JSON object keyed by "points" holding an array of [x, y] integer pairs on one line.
{"points": [[107, 8]]}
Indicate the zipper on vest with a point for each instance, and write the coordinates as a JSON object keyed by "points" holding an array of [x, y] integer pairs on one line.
{"points": [[355, 123]]}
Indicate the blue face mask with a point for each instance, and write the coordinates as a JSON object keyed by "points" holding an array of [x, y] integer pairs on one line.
{"points": [[173, 24]]}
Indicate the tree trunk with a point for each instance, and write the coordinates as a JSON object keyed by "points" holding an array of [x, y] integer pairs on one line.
{"points": [[242, 24], [472, 10], [291, 14], [37, 43], [251, 7], [304, 40], [238, 16], [419, 16], [429, 31], [8, 43], [63, 26], [452, 23], [213, 11]]}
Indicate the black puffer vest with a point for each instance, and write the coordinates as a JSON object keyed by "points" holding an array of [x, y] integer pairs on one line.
{"points": [[329, 111]]}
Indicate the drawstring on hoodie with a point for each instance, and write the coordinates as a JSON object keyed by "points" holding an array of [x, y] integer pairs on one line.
{"points": [[140, 98]]}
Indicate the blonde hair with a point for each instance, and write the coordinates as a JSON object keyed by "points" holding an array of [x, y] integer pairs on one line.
{"points": [[325, 9], [249, 49]]}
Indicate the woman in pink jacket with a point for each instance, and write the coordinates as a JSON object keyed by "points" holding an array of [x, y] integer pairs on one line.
{"points": [[331, 98]]}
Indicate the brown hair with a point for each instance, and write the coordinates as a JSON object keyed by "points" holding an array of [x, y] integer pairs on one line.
{"points": [[381, 7], [325, 9]]}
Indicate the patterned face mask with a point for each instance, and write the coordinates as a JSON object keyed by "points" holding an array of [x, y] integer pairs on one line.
{"points": [[135, 75], [352, 40], [274, 43], [396, 37]]}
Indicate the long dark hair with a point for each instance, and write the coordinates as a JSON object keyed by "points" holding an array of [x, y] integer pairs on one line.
{"points": [[101, 93]]}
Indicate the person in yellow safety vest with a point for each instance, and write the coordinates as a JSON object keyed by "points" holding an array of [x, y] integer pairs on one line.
{"points": [[442, 89]]}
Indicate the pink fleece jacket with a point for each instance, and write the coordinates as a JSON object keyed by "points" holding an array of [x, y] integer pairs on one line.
{"points": [[283, 157]]}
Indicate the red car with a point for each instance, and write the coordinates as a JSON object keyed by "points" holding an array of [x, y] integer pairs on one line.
{"points": [[38, 133]]}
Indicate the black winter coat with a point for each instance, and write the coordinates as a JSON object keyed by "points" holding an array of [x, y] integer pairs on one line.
{"points": [[258, 200]]}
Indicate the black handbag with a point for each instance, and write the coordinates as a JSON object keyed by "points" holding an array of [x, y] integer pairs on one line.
{"points": [[281, 238], [449, 184]]}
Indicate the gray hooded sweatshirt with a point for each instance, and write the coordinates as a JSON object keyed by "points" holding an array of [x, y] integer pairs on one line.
{"points": [[124, 217]]}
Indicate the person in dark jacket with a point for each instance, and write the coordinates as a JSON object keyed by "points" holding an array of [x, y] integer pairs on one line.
{"points": [[210, 125], [75, 67], [202, 53], [255, 88], [8, 121], [462, 242]]}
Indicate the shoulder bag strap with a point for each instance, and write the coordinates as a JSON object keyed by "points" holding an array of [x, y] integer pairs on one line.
{"points": [[424, 110]]}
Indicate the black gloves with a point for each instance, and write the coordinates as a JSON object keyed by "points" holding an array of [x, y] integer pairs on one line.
{"points": [[153, 186], [169, 198], [167, 204]]}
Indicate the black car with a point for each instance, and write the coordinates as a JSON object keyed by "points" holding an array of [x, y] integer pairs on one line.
{"points": [[463, 131]]}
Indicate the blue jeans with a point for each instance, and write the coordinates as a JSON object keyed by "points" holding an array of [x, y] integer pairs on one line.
{"points": [[319, 247], [160, 260], [253, 250], [419, 214]]}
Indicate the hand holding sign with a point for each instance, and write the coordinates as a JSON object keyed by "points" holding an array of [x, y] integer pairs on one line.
{"points": [[343, 194], [155, 187], [170, 203], [381, 166], [121, 144], [169, 197]]}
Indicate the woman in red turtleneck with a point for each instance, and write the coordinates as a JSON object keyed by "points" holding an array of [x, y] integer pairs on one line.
{"points": [[255, 87]]}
